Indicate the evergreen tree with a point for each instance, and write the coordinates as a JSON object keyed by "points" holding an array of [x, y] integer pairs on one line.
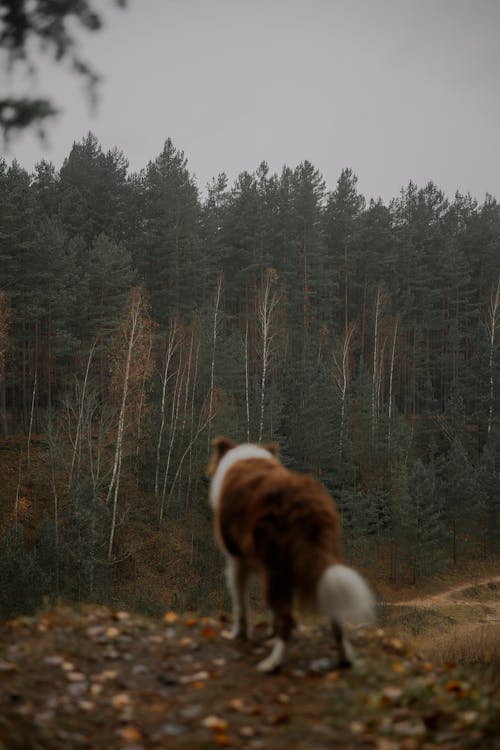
{"points": [[422, 523], [93, 192], [166, 258], [461, 508]]}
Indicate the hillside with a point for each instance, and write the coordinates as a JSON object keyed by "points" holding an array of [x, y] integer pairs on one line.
{"points": [[103, 679]]}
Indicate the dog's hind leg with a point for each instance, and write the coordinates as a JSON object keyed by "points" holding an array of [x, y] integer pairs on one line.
{"points": [[280, 601], [346, 653], [237, 581]]}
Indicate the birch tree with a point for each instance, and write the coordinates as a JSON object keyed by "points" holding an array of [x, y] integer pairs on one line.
{"points": [[342, 376], [174, 419], [76, 442], [266, 306], [247, 384], [172, 345], [380, 305], [4, 343], [391, 378], [128, 373], [492, 324], [212, 364]]}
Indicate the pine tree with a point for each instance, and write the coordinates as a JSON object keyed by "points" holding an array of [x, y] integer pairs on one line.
{"points": [[422, 523], [166, 257]]}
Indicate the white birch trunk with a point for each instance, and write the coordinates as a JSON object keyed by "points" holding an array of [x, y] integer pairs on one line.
{"points": [[391, 378], [176, 399], [142, 398], [247, 385], [375, 358], [32, 412], [212, 367], [172, 345], [77, 440], [266, 306], [380, 302], [192, 420], [131, 337], [492, 325], [342, 378]]}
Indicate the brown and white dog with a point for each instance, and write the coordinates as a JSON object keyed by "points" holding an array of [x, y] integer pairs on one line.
{"points": [[284, 526]]}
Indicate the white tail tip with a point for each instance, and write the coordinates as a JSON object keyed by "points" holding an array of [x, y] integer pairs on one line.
{"points": [[343, 595]]}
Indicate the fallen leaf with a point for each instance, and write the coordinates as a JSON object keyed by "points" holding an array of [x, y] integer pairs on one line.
{"points": [[8, 666], [112, 632], [391, 695], [107, 674], [76, 676], [130, 734], [468, 717], [282, 698], [332, 676], [456, 687], [170, 618], [208, 621], [196, 677], [398, 667], [283, 717], [410, 728], [120, 700], [238, 705], [247, 732], [215, 723], [46, 620], [208, 632], [53, 661], [191, 621], [356, 727], [222, 739], [397, 644]]}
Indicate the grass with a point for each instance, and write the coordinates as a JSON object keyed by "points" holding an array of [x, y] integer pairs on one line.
{"points": [[468, 643], [454, 633]]}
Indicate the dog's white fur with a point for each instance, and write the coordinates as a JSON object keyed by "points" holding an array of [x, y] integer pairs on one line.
{"points": [[239, 453], [342, 589]]}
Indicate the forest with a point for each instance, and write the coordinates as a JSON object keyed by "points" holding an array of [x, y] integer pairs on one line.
{"points": [[140, 317]]}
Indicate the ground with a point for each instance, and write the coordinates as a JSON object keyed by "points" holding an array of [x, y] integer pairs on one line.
{"points": [[102, 679]]}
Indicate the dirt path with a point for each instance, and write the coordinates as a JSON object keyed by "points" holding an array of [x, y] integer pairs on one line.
{"points": [[443, 597]]}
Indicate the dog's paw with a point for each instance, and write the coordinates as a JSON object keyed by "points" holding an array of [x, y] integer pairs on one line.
{"points": [[268, 666], [240, 634], [274, 660]]}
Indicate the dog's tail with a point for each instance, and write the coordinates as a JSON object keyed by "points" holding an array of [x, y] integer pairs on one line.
{"points": [[345, 597]]}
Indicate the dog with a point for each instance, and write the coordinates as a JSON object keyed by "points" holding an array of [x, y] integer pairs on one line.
{"points": [[284, 526]]}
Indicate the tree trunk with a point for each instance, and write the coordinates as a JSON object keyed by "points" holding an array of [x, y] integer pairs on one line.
{"points": [[131, 338]]}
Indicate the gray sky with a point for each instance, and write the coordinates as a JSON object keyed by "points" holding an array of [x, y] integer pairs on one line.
{"points": [[398, 90]]}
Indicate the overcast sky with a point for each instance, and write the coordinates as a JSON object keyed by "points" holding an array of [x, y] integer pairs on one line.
{"points": [[398, 90]]}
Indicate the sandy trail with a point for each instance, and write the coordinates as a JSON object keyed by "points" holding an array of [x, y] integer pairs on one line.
{"points": [[442, 598]]}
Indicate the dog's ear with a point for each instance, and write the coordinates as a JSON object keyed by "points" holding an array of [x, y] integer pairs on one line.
{"points": [[273, 448], [222, 445]]}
